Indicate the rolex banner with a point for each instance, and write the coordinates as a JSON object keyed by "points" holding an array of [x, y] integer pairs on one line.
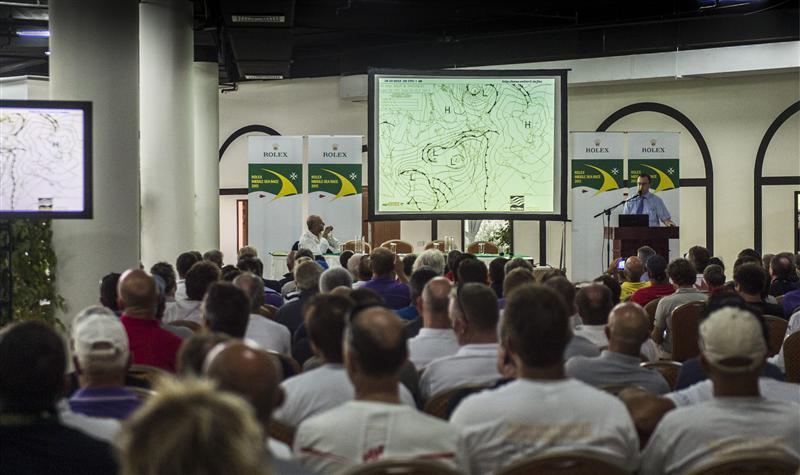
{"points": [[597, 184], [657, 154], [275, 193], [334, 182]]}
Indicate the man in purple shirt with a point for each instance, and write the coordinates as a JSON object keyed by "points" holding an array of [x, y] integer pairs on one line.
{"points": [[385, 279], [101, 356]]}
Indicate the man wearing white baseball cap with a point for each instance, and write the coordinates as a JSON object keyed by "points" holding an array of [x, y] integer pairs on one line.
{"points": [[738, 419], [101, 355]]}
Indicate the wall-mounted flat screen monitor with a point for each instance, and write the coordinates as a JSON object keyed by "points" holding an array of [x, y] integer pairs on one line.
{"points": [[467, 144], [45, 159]]}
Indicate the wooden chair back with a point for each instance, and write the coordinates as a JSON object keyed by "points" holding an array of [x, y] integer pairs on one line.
{"points": [[669, 370], [791, 357], [193, 326], [777, 330], [401, 247], [748, 463], [282, 431], [488, 247], [438, 244], [151, 374], [438, 404], [685, 331], [650, 307], [401, 467], [562, 464], [351, 246]]}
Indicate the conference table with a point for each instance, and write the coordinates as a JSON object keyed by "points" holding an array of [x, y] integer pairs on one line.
{"points": [[278, 267]]}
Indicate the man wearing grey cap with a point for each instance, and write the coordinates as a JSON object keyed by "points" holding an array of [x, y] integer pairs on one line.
{"points": [[101, 356], [738, 420]]}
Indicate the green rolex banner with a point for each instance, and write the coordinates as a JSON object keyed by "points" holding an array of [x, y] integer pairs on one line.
{"points": [[334, 182], [657, 154], [275, 193], [597, 182]]}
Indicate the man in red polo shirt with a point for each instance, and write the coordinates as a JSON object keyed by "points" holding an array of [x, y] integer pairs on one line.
{"points": [[149, 343], [659, 282]]}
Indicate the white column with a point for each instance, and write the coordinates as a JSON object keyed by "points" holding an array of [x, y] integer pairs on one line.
{"points": [[205, 79], [94, 57], [166, 54]]}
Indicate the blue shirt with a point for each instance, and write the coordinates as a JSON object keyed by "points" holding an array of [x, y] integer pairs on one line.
{"points": [[396, 294], [408, 313], [653, 206], [115, 403]]}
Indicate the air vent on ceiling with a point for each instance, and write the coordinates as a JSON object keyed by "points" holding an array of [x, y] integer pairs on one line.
{"points": [[258, 19]]}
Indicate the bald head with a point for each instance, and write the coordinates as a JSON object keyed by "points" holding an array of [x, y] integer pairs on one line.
{"points": [[249, 372], [594, 302], [435, 299], [634, 268], [628, 327], [375, 344], [137, 293]]}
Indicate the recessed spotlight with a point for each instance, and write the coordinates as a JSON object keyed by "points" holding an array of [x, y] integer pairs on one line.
{"points": [[34, 33]]}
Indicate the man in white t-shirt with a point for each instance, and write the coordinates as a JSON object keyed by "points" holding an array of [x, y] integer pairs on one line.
{"points": [[542, 412], [474, 316], [619, 365], [436, 338], [318, 238], [268, 334], [594, 304], [376, 425], [738, 419], [327, 386]]}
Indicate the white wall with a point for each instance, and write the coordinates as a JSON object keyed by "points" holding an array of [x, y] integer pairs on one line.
{"points": [[731, 112]]}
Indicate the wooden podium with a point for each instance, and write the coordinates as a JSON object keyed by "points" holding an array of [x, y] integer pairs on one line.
{"points": [[628, 239]]}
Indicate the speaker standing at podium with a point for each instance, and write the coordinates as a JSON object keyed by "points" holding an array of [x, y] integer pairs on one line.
{"points": [[648, 203]]}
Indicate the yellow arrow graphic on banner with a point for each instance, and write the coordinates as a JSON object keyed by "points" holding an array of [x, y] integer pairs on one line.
{"points": [[664, 181], [347, 188], [609, 182], [287, 187]]}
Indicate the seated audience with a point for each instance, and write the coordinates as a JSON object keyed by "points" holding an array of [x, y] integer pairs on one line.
{"points": [[268, 334], [334, 277], [363, 272], [198, 278], [633, 271], [289, 290], [344, 257], [497, 273], [181, 331], [542, 411], [326, 386], [714, 276], [628, 328], [737, 419], [594, 306], [384, 279], [517, 262], [436, 339], [254, 266], [101, 356], [306, 278], [149, 343], [794, 326], [783, 275], [566, 290], [33, 439], [432, 258], [683, 276], [352, 266], [191, 427], [472, 270], [751, 280], [791, 302], [226, 309], [375, 425], [451, 262], [416, 283], [513, 279], [108, 291], [699, 256], [612, 285], [408, 263], [246, 251], [194, 350], [644, 253], [474, 316], [659, 282], [184, 262], [166, 272]]}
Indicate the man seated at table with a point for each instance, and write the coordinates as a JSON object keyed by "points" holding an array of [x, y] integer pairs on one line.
{"points": [[318, 238]]}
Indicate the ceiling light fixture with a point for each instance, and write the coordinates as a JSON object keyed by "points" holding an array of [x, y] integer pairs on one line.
{"points": [[33, 33], [260, 19]]}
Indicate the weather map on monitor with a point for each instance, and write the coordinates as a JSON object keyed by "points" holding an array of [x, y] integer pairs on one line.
{"points": [[45, 166], [465, 143]]}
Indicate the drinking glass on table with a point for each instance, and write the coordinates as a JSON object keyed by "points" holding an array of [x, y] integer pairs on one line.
{"points": [[393, 247], [481, 248]]}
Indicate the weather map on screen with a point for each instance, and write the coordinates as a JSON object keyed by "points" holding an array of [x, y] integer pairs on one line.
{"points": [[42, 160], [471, 145]]}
